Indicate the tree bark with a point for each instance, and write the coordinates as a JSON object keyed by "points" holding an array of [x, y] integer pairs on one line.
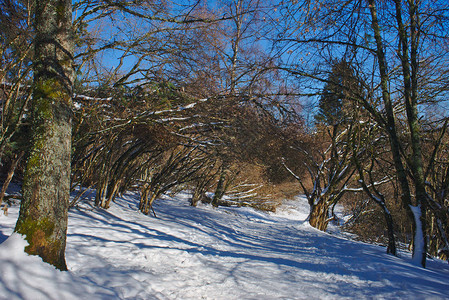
{"points": [[319, 216], [418, 224], [391, 248], [409, 73], [220, 189], [46, 186]]}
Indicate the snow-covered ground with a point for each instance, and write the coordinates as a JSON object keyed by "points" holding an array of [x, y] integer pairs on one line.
{"points": [[208, 253]]}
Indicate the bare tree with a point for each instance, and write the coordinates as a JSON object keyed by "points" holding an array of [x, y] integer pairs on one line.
{"points": [[389, 54]]}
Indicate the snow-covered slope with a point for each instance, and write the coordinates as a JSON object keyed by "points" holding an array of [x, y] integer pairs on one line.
{"points": [[207, 253]]}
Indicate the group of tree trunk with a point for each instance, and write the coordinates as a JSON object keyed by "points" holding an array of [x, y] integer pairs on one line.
{"points": [[392, 79], [208, 98]]}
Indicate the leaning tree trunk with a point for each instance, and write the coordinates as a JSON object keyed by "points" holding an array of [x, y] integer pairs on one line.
{"points": [[46, 186], [11, 172], [144, 195]]}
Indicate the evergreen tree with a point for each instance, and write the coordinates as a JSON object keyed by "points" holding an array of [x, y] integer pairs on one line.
{"points": [[335, 101]]}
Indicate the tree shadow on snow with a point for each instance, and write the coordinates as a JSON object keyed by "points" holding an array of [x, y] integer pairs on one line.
{"points": [[3, 237], [214, 236]]}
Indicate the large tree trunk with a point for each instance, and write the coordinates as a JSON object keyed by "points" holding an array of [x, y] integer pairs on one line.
{"points": [[319, 216], [46, 186]]}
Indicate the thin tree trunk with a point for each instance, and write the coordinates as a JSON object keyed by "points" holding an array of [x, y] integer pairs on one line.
{"points": [[411, 105], [154, 195], [46, 186], [78, 197], [100, 196], [112, 193], [11, 172], [196, 195], [406, 198], [391, 248], [220, 189], [144, 193]]}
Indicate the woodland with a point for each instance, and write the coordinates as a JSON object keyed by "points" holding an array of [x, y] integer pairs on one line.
{"points": [[244, 103]]}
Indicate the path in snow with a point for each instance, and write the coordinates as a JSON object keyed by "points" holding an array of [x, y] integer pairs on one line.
{"points": [[207, 253]]}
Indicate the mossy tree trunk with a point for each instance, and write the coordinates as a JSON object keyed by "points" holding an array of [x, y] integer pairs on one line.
{"points": [[417, 212], [46, 186], [410, 65]]}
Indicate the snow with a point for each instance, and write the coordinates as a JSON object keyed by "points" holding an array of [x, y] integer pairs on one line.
{"points": [[88, 98], [209, 253], [419, 236]]}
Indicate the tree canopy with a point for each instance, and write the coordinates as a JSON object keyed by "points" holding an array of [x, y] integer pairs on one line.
{"points": [[157, 97]]}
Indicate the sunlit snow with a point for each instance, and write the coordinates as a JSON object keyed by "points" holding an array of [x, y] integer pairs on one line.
{"points": [[209, 253]]}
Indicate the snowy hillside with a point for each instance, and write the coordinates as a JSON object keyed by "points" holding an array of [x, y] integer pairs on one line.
{"points": [[207, 253]]}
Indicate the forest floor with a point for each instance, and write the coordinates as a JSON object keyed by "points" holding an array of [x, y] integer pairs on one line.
{"points": [[209, 253]]}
